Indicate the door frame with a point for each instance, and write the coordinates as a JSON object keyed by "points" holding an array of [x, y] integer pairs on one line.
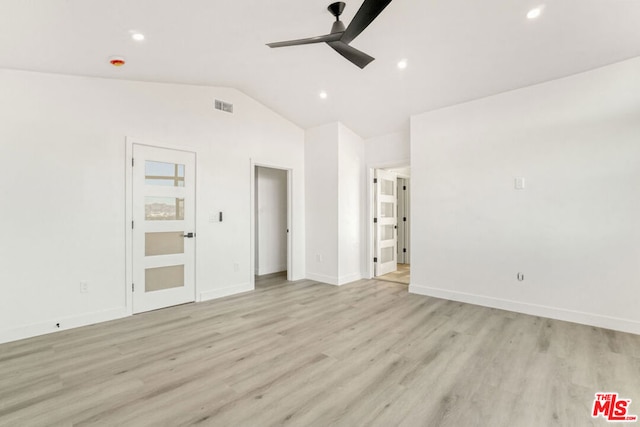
{"points": [[371, 207], [128, 214], [252, 211]]}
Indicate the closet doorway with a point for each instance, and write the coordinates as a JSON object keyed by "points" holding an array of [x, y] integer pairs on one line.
{"points": [[271, 222]]}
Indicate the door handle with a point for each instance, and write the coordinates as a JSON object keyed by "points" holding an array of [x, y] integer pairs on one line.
{"points": [[190, 235]]}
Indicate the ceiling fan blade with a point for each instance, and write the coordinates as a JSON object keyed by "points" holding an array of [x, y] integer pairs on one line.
{"points": [[359, 58], [369, 11], [318, 39]]}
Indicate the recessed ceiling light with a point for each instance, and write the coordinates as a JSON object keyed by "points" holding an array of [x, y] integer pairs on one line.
{"points": [[323, 95], [535, 12], [402, 64], [137, 37]]}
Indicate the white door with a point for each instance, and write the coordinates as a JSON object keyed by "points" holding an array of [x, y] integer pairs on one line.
{"points": [[163, 227], [385, 222], [403, 220]]}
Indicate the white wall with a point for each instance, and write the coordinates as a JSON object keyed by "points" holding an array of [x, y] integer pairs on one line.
{"points": [[62, 153], [573, 232], [334, 167], [321, 189], [388, 150], [351, 201], [271, 224]]}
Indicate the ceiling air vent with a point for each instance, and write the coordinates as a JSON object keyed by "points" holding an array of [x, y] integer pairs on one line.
{"points": [[224, 106]]}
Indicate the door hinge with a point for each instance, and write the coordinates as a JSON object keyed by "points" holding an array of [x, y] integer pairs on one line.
{"points": [[132, 225], [375, 180], [404, 219], [375, 220], [133, 287], [404, 250], [133, 162], [375, 259], [404, 187]]}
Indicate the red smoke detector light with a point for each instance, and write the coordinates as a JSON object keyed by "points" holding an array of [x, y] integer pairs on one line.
{"points": [[117, 61]]}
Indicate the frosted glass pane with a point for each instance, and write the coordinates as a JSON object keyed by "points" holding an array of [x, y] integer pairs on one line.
{"points": [[164, 243], [157, 279], [163, 209], [164, 174], [387, 232], [386, 210], [387, 254], [387, 187]]}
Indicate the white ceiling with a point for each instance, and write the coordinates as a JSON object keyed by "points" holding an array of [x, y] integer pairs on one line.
{"points": [[457, 50]]}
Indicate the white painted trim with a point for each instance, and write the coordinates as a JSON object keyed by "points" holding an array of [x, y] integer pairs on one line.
{"points": [[66, 323], [343, 280], [330, 280], [289, 224], [278, 269], [128, 232], [224, 292], [607, 322], [252, 224]]}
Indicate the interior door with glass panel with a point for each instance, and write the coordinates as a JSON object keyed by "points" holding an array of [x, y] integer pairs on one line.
{"points": [[386, 221], [163, 227]]}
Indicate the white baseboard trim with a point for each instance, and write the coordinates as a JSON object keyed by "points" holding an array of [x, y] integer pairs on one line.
{"points": [[66, 323], [330, 280], [86, 319], [225, 292], [598, 320], [266, 273], [343, 280], [270, 270]]}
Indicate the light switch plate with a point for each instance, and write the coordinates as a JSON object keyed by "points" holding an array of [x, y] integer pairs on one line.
{"points": [[519, 183]]}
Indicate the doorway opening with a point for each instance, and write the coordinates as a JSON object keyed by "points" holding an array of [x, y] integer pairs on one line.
{"points": [[271, 204], [391, 224]]}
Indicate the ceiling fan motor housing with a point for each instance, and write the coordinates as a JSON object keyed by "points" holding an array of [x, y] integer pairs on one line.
{"points": [[336, 8], [337, 27]]}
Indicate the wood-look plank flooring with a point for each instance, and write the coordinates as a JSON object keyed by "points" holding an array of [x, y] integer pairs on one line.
{"points": [[309, 354], [401, 275]]}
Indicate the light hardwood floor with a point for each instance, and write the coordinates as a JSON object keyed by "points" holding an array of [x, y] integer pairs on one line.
{"points": [[308, 354], [401, 275]]}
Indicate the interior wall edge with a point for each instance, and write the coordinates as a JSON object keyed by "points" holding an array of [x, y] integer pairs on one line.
{"points": [[348, 278], [225, 292], [590, 319], [66, 323], [329, 280]]}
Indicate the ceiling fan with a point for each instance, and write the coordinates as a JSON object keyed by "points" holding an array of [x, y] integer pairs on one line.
{"points": [[339, 38]]}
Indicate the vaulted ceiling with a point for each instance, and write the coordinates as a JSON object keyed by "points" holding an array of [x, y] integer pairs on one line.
{"points": [[455, 50]]}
